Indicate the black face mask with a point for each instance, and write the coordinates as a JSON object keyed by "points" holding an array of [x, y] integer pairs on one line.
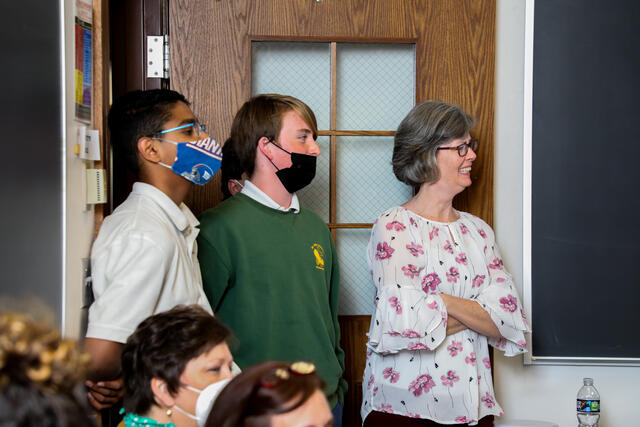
{"points": [[299, 174]]}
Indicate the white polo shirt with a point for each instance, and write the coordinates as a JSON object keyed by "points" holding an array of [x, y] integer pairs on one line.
{"points": [[143, 262]]}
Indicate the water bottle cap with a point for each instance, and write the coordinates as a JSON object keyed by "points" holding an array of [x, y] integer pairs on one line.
{"points": [[588, 381]]}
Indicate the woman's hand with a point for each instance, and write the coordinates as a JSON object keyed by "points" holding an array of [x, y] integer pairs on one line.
{"points": [[454, 325], [470, 314]]}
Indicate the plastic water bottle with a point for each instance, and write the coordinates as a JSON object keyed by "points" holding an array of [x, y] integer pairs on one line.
{"points": [[588, 404]]}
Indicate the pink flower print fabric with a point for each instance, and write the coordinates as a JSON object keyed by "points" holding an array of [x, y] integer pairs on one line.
{"points": [[395, 225], [417, 346], [461, 259], [384, 251], [413, 367], [391, 375], [415, 249], [448, 247], [488, 400], [423, 383], [430, 282], [470, 359], [395, 304], [452, 275], [509, 303], [411, 270], [496, 264], [487, 362], [477, 281], [454, 348], [450, 378]]}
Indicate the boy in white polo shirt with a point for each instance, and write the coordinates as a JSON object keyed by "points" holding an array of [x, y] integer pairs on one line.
{"points": [[144, 259]]}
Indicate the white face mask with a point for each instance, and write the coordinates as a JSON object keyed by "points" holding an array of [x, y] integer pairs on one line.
{"points": [[205, 401]]}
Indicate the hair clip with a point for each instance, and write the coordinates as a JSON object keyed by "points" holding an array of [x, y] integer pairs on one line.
{"points": [[302, 368], [276, 377]]}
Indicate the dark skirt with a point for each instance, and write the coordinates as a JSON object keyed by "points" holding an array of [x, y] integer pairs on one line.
{"points": [[383, 419]]}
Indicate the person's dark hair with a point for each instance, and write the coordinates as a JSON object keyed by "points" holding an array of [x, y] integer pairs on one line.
{"points": [[40, 376], [230, 167], [136, 114], [427, 126], [262, 116], [255, 395], [161, 347]]}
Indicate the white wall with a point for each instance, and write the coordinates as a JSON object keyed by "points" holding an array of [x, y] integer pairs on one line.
{"points": [[78, 221], [536, 391]]}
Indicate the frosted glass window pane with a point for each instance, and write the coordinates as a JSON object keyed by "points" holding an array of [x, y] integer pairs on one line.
{"points": [[376, 85], [299, 69], [356, 288], [316, 195], [366, 185]]}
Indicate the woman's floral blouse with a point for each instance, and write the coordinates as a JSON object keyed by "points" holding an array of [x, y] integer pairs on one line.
{"points": [[413, 368]]}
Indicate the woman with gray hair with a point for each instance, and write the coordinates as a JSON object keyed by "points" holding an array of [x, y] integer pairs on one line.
{"points": [[443, 294]]}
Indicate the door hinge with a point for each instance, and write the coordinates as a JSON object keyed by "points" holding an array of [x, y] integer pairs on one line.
{"points": [[158, 57]]}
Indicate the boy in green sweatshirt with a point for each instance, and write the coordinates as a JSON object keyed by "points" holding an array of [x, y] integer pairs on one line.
{"points": [[269, 267]]}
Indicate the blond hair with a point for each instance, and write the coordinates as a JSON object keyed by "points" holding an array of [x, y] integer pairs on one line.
{"points": [[31, 351]]}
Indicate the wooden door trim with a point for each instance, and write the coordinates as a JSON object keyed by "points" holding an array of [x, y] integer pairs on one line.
{"points": [[356, 132], [101, 90], [319, 39], [130, 22], [333, 141]]}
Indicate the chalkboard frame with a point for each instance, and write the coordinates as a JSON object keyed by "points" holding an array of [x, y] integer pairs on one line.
{"points": [[527, 237]]}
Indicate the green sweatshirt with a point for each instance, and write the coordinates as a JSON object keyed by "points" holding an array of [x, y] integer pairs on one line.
{"points": [[273, 278]]}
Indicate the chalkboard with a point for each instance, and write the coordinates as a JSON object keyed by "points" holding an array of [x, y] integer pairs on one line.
{"points": [[31, 171], [585, 228]]}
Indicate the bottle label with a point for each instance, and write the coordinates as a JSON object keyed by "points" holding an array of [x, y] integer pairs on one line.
{"points": [[588, 406]]}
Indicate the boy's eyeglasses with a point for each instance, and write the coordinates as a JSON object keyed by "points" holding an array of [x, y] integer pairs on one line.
{"points": [[197, 129], [463, 149]]}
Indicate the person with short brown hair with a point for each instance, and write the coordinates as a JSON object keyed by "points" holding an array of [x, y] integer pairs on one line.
{"points": [[270, 267], [170, 362]]}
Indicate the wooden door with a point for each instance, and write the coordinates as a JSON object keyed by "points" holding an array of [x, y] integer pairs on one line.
{"points": [[211, 59], [454, 48]]}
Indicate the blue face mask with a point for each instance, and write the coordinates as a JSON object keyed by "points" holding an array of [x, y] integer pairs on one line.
{"points": [[196, 161]]}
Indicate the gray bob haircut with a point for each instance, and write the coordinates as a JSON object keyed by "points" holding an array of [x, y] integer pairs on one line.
{"points": [[427, 126]]}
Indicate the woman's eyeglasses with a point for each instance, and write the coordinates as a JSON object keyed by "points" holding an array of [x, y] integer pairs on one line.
{"points": [[463, 149]]}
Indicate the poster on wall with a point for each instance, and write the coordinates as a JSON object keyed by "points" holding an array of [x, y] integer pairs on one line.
{"points": [[84, 55]]}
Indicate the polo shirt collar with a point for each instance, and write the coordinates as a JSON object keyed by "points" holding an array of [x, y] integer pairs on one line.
{"points": [[251, 190], [181, 216]]}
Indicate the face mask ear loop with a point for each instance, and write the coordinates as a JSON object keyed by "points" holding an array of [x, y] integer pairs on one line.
{"points": [[179, 409], [188, 387], [195, 390], [271, 141], [170, 142]]}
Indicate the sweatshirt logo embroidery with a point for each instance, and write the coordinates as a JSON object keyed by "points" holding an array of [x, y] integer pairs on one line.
{"points": [[318, 253]]}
